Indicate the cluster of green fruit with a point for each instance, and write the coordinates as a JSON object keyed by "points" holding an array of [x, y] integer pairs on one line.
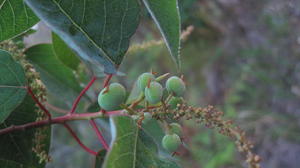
{"points": [[114, 95]]}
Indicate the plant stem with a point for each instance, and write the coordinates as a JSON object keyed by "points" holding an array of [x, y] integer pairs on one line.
{"points": [[81, 94], [78, 140], [106, 80], [38, 102], [57, 120], [99, 134]]}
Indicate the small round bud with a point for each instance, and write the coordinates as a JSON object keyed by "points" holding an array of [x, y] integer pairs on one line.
{"points": [[171, 142], [112, 97], [176, 128], [176, 86], [143, 80], [154, 92], [174, 101]]}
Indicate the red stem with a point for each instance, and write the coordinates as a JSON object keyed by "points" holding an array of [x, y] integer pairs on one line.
{"points": [[38, 102], [99, 135], [57, 120], [78, 140], [81, 94], [106, 80]]}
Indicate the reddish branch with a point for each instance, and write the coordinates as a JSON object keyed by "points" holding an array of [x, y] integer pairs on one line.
{"points": [[57, 120], [106, 80], [78, 140], [81, 94], [99, 135], [38, 102]]}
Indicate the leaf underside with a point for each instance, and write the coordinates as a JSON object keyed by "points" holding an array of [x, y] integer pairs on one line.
{"points": [[16, 148], [165, 13], [64, 53], [133, 148], [16, 17], [12, 78], [98, 30], [57, 77]]}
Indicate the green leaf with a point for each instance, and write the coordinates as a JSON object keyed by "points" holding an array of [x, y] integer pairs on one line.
{"points": [[98, 30], [132, 147], [64, 53], [16, 148], [58, 78], [99, 159], [12, 79], [16, 18], [165, 13]]}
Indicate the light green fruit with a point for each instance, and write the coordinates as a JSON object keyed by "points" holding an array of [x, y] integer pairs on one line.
{"points": [[147, 118], [176, 128], [176, 86], [144, 79], [112, 98], [174, 101], [171, 142], [154, 92]]}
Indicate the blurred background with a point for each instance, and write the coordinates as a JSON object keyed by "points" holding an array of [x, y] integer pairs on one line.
{"points": [[243, 57]]}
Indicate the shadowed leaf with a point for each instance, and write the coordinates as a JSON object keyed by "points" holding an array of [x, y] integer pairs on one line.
{"points": [[16, 18], [132, 147], [12, 78], [165, 13], [98, 30]]}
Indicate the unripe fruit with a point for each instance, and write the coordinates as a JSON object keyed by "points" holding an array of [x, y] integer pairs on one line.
{"points": [[176, 128], [176, 86], [171, 142], [112, 97], [154, 92], [147, 118], [143, 80], [174, 101]]}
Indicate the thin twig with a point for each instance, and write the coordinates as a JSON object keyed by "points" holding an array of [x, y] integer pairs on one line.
{"points": [[81, 94], [78, 140], [99, 135], [57, 120], [38, 102], [56, 109]]}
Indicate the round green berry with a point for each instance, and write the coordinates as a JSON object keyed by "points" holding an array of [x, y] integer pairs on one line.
{"points": [[171, 142], [112, 97], [147, 118], [144, 79], [174, 101], [154, 92], [176, 86], [176, 128]]}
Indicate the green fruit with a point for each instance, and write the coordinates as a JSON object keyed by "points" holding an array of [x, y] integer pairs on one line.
{"points": [[171, 142], [143, 80], [176, 86], [174, 101], [147, 118], [176, 128], [154, 92], [112, 97]]}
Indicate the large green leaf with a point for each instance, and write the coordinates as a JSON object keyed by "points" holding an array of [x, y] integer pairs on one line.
{"points": [[133, 148], [12, 78], [58, 78], [99, 159], [16, 148], [165, 13], [98, 30], [16, 18], [64, 53]]}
